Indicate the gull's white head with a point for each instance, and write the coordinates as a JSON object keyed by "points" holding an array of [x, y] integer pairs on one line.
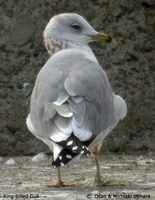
{"points": [[70, 28]]}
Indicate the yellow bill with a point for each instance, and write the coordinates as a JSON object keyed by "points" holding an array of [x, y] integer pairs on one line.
{"points": [[103, 37]]}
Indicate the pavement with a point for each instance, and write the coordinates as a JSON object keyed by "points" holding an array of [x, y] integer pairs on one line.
{"points": [[125, 176]]}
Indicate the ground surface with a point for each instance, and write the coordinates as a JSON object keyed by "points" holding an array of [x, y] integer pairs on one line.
{"points": [[124, 175]]}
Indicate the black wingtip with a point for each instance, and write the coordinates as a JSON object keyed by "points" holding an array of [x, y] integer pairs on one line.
{"points": [[64, 157], [67, 155]]}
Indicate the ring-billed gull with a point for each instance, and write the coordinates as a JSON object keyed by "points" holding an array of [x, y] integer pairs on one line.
{"points": [[73, 107]]}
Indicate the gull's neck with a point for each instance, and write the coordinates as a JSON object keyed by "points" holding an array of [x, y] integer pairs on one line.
{"points": [[54, 46]]}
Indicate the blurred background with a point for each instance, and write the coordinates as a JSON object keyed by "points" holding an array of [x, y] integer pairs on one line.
{"points": [[130, 66]]}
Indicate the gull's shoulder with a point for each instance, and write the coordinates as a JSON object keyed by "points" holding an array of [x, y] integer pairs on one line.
{"points": [[67, 59], [75, 52]]}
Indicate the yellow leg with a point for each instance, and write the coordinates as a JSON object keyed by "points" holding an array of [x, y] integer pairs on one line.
{"points": [[98, 178], [60, 183]]}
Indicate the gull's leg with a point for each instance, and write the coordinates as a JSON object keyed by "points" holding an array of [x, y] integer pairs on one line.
{"points": [[98, 175], [60, 183], [98, 178]]}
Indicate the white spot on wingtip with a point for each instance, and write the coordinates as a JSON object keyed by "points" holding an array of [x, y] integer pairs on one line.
{"points": [[60, 157], [69, 156], [70, 143], [82, 152], [74, 148]]}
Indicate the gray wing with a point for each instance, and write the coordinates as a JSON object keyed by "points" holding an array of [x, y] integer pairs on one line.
{"points": [[72, 95]]}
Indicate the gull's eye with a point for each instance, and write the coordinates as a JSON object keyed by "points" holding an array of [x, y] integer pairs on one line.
{"points": [[76, 27]]}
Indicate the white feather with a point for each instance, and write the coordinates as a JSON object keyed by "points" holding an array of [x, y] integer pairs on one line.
{"points": [[57, 148], [64, 124], [120, 107], [63, 96], [57, 135], [81, 134], [64, 110]]}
